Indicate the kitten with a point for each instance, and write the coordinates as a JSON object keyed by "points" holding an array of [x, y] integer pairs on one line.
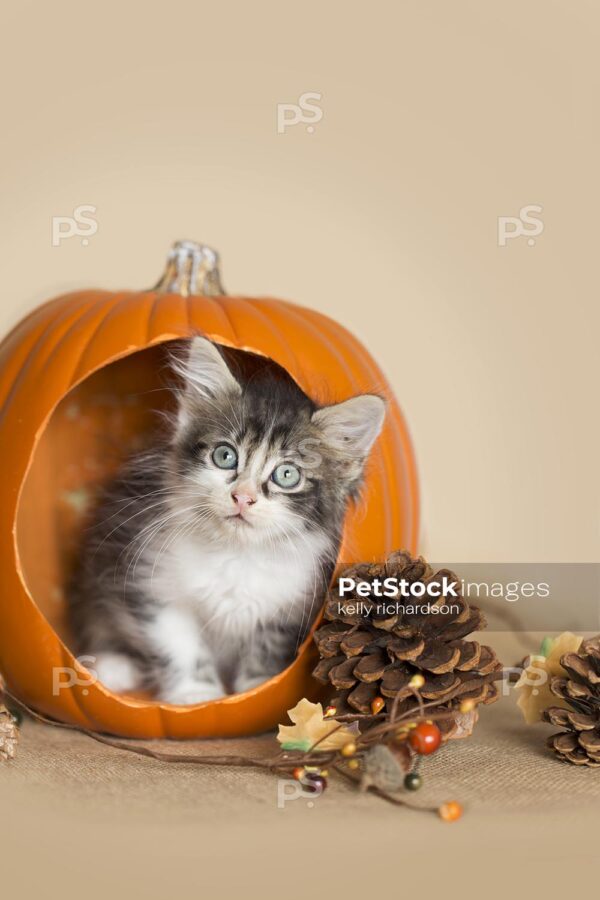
{"points": [[207, 562]]}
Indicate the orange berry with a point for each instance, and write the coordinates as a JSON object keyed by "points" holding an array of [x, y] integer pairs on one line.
{"points": [[330, 711], [298, 773], [349, 749], [377, 705], [450, 811], [467, 706]]}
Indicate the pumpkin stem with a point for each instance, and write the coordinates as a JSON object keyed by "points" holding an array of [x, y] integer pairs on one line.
{"points": [[191, 269]]}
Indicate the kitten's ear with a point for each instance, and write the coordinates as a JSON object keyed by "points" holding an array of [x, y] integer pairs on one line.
{"points": [[205, 372], [205, 379], [352, 427]]}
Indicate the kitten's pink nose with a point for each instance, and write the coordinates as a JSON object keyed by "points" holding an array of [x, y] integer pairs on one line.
{"points": [[243, 500]]}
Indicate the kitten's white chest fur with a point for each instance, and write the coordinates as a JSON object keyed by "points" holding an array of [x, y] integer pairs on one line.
{"points": [[214, 600], [232, 591]]}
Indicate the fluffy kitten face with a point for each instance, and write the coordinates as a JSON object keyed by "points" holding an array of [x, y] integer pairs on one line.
{"points": [[256, 461]]}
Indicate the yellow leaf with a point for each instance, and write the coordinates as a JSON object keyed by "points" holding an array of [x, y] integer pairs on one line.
{"points": [[311, 726], [534, 684]]}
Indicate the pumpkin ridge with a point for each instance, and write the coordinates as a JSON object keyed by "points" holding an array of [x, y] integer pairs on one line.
{"points": [[194, 306], [79, 372], [62, 304], [63, 316], [153, 305], [154, 329], [98, 306], [288, 310], [276, 332]]}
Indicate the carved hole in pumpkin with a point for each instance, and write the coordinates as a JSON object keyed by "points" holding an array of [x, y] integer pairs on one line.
{"points": [[93, 429]]}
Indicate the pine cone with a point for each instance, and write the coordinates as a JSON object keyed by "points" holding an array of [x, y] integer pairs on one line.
{"points": [[9, 734], [580, 691], [365, 655]]}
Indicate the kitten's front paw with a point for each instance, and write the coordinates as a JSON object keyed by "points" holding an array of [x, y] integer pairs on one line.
{"points": [[117, 672], [190, 692]]}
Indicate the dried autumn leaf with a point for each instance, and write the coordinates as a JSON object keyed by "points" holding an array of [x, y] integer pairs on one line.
{"points": [[534, 683], [311, 726]]}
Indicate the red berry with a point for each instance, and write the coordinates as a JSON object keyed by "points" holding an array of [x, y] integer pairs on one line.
{"points": [[425, 738]]}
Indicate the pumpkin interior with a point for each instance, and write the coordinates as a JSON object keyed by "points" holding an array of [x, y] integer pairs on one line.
{"points": [[93, 429]]}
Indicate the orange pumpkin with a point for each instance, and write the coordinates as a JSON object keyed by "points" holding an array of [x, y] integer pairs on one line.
{"points": [[80, 378]]}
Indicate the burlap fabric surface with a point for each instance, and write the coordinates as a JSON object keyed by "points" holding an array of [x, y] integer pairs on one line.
{"points": [[80, 818]]}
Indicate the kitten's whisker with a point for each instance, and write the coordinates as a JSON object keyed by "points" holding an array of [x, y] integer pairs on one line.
{"points": [[154, 528], [128, 502], [140, 512], [182, 531], [154, 534]]}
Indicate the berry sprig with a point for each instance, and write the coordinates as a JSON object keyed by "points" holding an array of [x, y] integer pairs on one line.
{"points": [[398, 737]]}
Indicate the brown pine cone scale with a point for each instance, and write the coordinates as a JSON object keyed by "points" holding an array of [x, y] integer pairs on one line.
{"points": [[579, 743], [367, 651]]}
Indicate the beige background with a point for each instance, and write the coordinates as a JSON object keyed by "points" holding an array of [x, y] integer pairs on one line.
{"points": [[438, 117]]}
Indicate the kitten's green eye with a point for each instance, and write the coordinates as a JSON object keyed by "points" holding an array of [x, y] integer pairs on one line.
{"points": [[286, 476], [225, 457]]}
